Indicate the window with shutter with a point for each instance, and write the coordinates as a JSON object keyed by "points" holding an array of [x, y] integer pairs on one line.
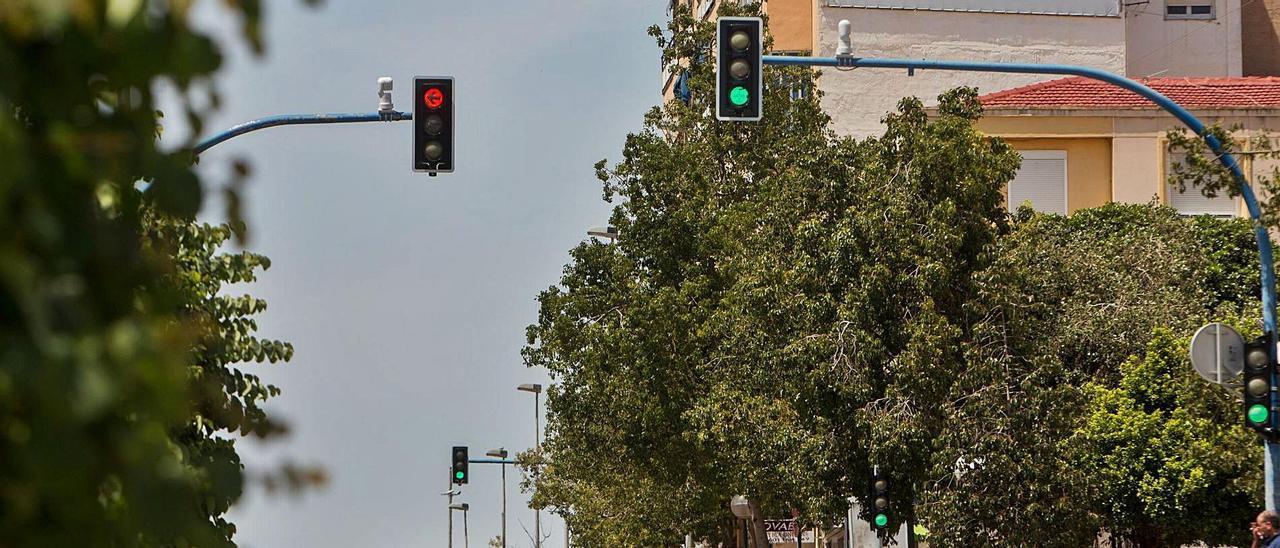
{"points": [[1042, 180], [1193, 202]]}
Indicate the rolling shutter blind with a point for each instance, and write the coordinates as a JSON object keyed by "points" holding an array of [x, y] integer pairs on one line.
{"points": [[1042, 180], [1192, 202]]}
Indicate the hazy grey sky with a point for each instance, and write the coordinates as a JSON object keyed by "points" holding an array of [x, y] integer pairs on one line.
{"points": [[406, 296]]}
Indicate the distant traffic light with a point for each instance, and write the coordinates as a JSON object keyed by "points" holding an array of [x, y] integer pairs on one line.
{"points": [[879, 501], [433, 125], [739, 82], [459, 467], [1259, 363]]}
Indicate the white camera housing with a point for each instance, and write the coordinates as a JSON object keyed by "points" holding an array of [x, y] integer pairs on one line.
{"points": [[384, 95]]}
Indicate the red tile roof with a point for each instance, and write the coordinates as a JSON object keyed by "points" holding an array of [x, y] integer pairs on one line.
{"points": [[1077, 93]]}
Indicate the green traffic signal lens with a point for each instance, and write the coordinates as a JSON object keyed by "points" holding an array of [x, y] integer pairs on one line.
{"points": [[881, 520], [1258, 413], [739, 95], [459, 474]]}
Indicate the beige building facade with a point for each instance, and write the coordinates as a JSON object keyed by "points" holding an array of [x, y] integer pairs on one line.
{"points": [[1086, 143], [858, 99], [1076, 154], [1159, 43], [1260, 29], [1198, 38]]}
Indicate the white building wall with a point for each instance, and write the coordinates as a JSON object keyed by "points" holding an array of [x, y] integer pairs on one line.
{"points": [[1188, 47], [858, 99]]}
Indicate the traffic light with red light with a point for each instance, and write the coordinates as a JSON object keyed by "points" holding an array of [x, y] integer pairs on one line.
{"points": [[1259, 365], [433, 125], [460, 462], [739, 67]]}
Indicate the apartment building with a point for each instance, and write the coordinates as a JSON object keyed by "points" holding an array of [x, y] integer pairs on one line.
{"points": [[1083, 143], [1150, 38]]}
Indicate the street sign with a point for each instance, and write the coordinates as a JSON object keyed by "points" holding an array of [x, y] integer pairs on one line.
{"points": [[783, 531], [1217, 353]]}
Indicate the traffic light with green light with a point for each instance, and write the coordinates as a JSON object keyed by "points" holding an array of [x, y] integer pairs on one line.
{"points": [[879, 501], [433, 125], [739, 82], [459, 468], [1259, 363]]}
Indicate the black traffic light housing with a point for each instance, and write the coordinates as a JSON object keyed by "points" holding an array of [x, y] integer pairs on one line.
{"points": [[1259, 365], [459, 472], [739, 68], [879, 501], [433, 143]]}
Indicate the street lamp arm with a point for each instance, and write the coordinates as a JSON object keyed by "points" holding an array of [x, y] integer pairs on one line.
{"points": [[491, 461], [298, 119]]}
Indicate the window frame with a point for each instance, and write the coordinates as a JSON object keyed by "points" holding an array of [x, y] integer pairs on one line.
{"points": [[1170, 191], [1056, 154], [1190, 6]]}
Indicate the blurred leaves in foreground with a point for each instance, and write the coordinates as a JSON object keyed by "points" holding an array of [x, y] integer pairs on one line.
{"points": [[118, 393]]}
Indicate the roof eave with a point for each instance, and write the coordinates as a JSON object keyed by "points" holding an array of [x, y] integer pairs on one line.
{"points": [[1132, 112]]}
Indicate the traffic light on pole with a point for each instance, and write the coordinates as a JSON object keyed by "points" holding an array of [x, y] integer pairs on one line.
{"points": [[739, 68], [1259, 364], [460, 465], [433, 125], [879, 501]]}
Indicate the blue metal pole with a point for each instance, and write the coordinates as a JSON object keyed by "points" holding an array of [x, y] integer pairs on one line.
{"points": [[1272, 458], [297, 119]]}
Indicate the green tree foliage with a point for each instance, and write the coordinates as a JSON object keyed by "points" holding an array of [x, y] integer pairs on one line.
{"points": [[785, 308], [1066, 302], [225, 401], [1165, 450], [759, 326], [95, 338]]}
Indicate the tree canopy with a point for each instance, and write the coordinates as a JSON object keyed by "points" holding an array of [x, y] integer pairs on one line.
{"points": [[786, 309], [117, 383]]}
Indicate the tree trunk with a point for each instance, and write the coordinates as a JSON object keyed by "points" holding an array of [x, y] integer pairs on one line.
{"points": [[759, 537], [1147, 537]]}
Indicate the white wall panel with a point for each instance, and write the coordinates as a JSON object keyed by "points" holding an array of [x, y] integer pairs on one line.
{"points": [[1096, 8]]}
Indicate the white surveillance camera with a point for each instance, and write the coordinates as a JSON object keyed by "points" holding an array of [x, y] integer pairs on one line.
{"points": [[384, 94], [845, 47]]}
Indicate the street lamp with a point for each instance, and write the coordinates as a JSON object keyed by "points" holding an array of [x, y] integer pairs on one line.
{"points": [[466, 537], [451, 493], [536, 389], [609, 232], [741, 508], [501, 453]]}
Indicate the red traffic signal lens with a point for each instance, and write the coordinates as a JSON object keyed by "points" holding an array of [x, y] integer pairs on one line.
{"points": [[433, 98]]}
